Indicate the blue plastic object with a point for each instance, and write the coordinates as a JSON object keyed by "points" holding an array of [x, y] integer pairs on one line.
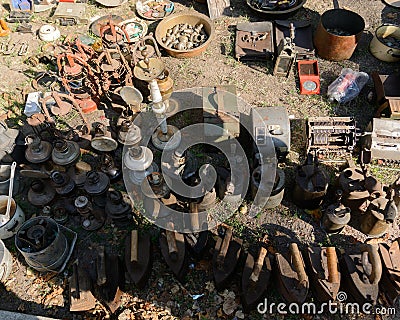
{"points": [[21, 5]]}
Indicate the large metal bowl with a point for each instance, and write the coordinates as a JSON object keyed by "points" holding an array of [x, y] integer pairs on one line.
{"points": [[278, 14], [189, 18]]}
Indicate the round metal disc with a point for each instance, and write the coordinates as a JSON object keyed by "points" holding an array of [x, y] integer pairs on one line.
{"points": [[131, 95], [104, 144], [155, 69], [310, 85]]}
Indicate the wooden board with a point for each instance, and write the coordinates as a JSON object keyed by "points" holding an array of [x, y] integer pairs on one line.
{"points": [[218, 8]]}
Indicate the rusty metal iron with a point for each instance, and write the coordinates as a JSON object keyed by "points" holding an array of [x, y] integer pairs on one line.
{"points": [[254, 41], [338, 34], [138, 258], [91, 218], [390, 281], [256, 276], [293, 283], [335, 217], [361, 271], [198, 242], [63, 184], [324, 272], [311, 184], [110, 279], [80, 287], [40, 194], [174, 251], [225, 259], [118, 207], [108, 166], [332, 138]]}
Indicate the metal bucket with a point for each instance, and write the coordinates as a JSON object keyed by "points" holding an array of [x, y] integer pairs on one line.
{"points": [[17, 217], [338, 34], [43, 245], [381, 48], [5, 262]]}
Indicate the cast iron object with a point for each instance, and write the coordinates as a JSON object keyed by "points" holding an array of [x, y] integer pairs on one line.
{"points": [[129, 134], [361, 272], [335, 218], [277, 14], [182, 18], [390, 280], [78, 172], [97, 24], [62, 182], [118, 206], [103, 140], [324, 273], [80, 287], [311, 184], [40, 194], [254, 41], [303, 42], [293, 283], [37, 151], [65, 152], [387, 94], [255, 278], [225, 259], [278, 189], [173, 249], [96, 183], [197, 241], [92, 218], [381, 212], [138, 258], [107, 166], [155, 186], [110, 278], [338, 33]]}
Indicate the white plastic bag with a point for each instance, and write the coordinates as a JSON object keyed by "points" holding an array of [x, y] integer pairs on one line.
{"points": [[347, 86]]}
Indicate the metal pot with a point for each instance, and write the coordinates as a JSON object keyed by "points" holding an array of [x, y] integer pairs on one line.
{"points": [[338, 34], [383, 47], [17, 217]]}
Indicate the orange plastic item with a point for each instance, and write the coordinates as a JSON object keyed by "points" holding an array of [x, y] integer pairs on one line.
{"points": [[4, 29], [309, 76]]}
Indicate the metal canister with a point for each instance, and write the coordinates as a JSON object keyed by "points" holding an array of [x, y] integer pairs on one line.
{"points": [[9, 227], [338, 34], [43, 245], [385, 45]]}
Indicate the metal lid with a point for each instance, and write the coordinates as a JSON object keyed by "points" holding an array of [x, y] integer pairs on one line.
{"points": [[104, 144], [96, 183], [65, 152], [37, 151]]}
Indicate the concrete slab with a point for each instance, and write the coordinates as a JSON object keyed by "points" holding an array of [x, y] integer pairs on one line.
{"points": [[21, 316]]}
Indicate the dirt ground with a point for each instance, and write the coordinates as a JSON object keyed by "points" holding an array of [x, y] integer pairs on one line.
{"points": [[164, 297]]}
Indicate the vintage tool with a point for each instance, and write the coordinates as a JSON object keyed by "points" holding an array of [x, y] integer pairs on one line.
{"points": [[380, 214], [256, 277], [108, 166], [118, 207], [285, 55], [324, 272], [110, 279], [37, 151], [271, 123], [338, 33], [63, 184], [138, 258], [45, 245], [220, 108], [102, 140], [387, 94], [65, 152], [226, 256], [303, 42], [139, 160], [254, 41], [91, 218], [336, 216], [361, 272], [332, 138], [40, 194], [4, 29], [173, 249], [278, 190], [311, 184], [197, 241], [78, 172], [80, 287], [308, 72], [293, 283], [390, 280], [70, 13], [10, 226]]}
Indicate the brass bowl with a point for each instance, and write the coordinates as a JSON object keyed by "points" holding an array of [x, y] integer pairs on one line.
{"points": [[189, 18]]}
